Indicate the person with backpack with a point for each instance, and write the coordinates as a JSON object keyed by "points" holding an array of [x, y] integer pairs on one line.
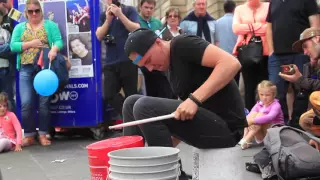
{"points": [[267, 111]]}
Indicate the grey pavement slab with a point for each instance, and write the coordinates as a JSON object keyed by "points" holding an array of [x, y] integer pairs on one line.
{"points": [[35, 162]]}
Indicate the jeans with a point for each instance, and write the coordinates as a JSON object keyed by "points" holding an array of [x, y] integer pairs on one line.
{"points": [[6, 85], [122, 75], [28, 99], [205, 130], [275, 61]]}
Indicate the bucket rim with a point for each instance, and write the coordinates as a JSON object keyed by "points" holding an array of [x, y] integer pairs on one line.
{"points": [[138, 166], [141, 158], [139, 138], [167, 177], [150, 172]]}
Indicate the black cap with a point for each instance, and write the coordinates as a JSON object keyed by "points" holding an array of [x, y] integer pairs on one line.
{"points": [[140, 41], [3, 1]]}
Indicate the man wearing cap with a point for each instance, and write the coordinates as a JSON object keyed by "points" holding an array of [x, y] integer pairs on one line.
{"points": [[286, 20], [210, 113], [309, 44]]}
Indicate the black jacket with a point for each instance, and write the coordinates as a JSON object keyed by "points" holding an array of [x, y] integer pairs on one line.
{"points": [[310, 80]]}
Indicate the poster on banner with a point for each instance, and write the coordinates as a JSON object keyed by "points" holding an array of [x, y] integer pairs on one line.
{"points": [[76, 104], [78, 16], [80, 55]]}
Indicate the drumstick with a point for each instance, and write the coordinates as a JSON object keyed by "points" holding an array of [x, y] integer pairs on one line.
{"points": [[134, 123]]}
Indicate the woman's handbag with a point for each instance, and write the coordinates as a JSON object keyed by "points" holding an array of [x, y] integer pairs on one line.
{"points": [[251, 53]]}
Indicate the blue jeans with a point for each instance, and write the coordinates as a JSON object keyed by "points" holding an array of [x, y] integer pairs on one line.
{"points": [[6, 85], [28, 99], [274, 63]]}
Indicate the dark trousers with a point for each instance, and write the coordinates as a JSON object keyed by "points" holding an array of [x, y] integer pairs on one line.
{"points": [[122, 75], [252, 76], [205, 130], [275, 61], [157, 84], [6, 85]]}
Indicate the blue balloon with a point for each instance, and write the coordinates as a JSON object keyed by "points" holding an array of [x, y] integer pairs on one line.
{"points": [[46, 82]]}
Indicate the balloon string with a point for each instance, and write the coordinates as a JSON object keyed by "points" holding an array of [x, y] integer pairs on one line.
{"points": [[49, 59]]}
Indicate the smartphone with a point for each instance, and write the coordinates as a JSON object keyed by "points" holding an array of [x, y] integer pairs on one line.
{"points": [[288, 69]]}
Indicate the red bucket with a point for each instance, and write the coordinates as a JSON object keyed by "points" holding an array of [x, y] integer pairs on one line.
{"points": [[98, 153]]}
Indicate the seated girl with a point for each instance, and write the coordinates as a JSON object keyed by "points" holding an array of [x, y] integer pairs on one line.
{"points": [[10, 128], [266, 112]]}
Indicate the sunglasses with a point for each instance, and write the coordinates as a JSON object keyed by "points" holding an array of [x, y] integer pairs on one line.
{"points": [[37, 11], [172, 16]]}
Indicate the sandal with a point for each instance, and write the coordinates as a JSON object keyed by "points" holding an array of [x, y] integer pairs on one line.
{"points": [[44, 141], [28, 141], [244, 144]]}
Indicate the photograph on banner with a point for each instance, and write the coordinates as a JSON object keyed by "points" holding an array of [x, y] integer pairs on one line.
{"points": [[78, 16], [54, 11], [80, 55]]}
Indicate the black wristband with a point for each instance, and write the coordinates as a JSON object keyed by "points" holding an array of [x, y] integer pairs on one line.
{"points": [[195, 100]]}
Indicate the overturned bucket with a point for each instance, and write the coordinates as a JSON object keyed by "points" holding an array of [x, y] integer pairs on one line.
{"points": [[98, 153], [144, 163]]}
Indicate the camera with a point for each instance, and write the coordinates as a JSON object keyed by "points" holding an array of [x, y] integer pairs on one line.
{"points": [[109, 40], [117, 3], [288, 69]]}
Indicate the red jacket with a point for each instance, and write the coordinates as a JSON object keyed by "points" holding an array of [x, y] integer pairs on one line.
{"points": [[11, 127]]}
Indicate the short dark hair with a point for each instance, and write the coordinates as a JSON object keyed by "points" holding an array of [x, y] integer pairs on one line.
{"points": [[229, 6], [73, 37], [154, 2]]}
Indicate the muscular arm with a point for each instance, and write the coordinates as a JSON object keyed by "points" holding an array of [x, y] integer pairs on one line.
{"points": [[225, 68]]}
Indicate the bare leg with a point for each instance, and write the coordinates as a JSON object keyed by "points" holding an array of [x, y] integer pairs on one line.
{"points": [[5, 145], [251, 116], [252, 130], [262, 133], [290, 99]]}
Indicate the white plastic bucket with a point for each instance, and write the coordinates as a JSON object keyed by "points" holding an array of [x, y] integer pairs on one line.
{"points": [[143, 156], [173, 172], [143, 169], [144, 163]]}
